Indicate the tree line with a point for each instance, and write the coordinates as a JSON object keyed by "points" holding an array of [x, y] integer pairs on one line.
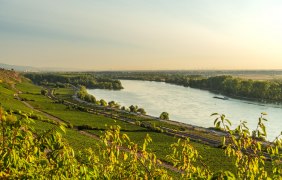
{"points": [[265, 90], [82, 79], [85, 96]]}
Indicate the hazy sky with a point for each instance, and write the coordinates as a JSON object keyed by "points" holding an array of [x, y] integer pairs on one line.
{"points": [[143, 34]]}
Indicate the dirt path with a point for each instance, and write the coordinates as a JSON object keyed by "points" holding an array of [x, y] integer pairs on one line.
{"points": [[50, 116]]}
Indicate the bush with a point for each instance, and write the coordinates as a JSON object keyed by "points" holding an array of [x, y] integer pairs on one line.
{"points": [[44, 92]]}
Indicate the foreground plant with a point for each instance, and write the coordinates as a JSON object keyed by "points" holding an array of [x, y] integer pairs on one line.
{"points": [[185, 157], [26, 154], [251, 151], [119, 158]]}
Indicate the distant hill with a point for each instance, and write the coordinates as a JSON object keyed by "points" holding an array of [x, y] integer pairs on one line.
{"points": [[34, 69], [18, 68], [9, 76]]}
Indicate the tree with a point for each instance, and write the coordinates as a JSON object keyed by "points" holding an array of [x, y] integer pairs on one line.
{"points": [[112, 104], [164, 116], [141, 111], [103, 103], [133, 108]]}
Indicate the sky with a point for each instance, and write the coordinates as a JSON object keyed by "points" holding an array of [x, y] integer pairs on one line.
{"points": [[142, 34]]}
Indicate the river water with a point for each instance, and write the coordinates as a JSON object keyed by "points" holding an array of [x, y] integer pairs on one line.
{"points": [[192, 106]]}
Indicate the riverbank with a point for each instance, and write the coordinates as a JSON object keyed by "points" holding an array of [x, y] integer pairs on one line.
{"points": [[259, 100], [181, 130]]}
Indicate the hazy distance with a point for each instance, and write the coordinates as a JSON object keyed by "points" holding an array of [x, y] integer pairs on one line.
{"points": [[142, 35]]}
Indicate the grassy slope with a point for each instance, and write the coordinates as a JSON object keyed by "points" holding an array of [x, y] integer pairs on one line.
{"points": [[9, 102]]}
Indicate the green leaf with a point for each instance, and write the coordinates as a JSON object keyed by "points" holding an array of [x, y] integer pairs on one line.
{"points": [[227, 120], [215, 121], [62, 128], [223, 141], [218, 124], [214, 114]]}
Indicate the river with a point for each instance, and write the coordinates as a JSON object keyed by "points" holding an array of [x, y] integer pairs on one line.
{"points": [[191, 106]]}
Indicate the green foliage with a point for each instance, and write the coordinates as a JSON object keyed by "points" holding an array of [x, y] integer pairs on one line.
{"points": [[276, 157], [76, 79], [184, 157], [221, 121], [249, 152], [27, 154], [133, 108], [223, 84], [164, 116], [141, 111], [113, 104], [43, 92], [103, 102], [83, 95]]}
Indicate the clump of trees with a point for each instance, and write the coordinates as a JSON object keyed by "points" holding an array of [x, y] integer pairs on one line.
{"points": [[141, 111], [83, 95], [136, 109], [102, 102], [223, 84], [27, 154], [232, 86], [81, 79], [133, 108], [113, 104]]}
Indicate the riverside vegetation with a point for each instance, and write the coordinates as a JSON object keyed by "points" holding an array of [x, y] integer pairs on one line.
{"points": [[33, 147], [259, 90]]}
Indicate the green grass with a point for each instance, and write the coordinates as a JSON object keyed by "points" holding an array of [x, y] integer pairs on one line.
{"points": [[214, 158], [27, 87], [64, 93], [75, 117], [73, 137], [79, 141], [8, 100], [41, 126]]}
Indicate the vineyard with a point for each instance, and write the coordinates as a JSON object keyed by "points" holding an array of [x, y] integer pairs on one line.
{"points": [[47, 138]]}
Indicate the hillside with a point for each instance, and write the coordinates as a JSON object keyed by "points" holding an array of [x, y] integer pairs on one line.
{"points": [[102, 142], [9, 76]]}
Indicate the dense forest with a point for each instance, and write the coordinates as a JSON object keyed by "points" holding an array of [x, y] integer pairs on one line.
{"points": [[76, 79]]}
